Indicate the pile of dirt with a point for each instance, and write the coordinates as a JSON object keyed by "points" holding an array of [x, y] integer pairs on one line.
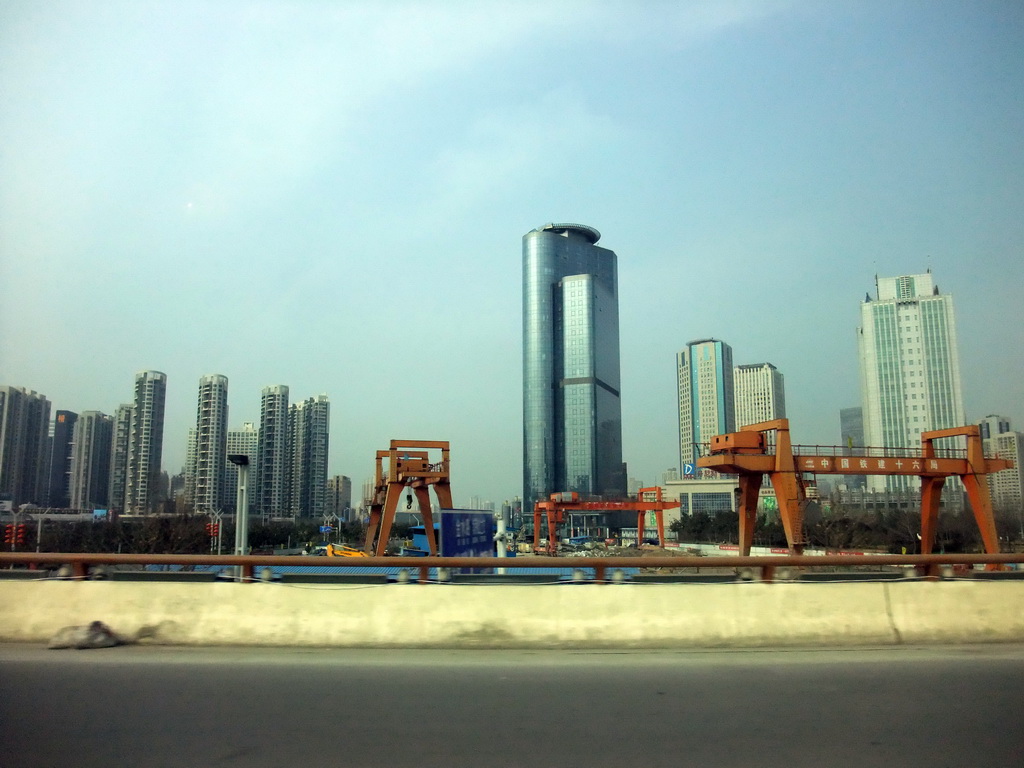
{"points": [[605, 550]]}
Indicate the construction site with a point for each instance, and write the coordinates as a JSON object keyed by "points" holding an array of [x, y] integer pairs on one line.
{"points": [[757, 456]]}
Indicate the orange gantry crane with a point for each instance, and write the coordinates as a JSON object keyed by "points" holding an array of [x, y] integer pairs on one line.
{"points": [[408, 466], [559, 503], [745, 453]]}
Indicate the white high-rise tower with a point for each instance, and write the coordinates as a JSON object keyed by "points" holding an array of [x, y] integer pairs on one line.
{"points": [[760, 393], [909, 367], [146, 442], [244, 441], [1006, 487], [210, 451]]}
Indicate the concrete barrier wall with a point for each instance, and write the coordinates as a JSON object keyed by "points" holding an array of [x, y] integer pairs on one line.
{"points": [[513, 616]]}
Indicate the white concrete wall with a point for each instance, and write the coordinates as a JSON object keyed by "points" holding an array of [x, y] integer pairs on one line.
{"points": [[513, 616]]}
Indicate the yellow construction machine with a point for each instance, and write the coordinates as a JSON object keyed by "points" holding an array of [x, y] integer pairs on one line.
{"points": [[341, 550]]}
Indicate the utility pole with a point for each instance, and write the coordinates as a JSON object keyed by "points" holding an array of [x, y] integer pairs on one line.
{"points": [[216, 537], [501, 537], [14, 530]]}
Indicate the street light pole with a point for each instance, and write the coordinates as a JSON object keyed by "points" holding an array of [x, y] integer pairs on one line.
{"points": [[242, 505]]}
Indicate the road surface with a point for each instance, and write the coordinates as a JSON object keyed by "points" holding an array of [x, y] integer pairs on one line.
{"points": [[151, 706]]}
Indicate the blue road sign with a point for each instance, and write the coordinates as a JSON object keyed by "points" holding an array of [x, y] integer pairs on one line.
{"points": [[326, 528], [467, 533]]}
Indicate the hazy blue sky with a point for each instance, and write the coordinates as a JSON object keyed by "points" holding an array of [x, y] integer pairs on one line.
{"points": [[332, 196]]}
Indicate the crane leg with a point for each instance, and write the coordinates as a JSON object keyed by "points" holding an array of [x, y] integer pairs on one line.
{"points": [[388, 517], [444, 495], [750, 487], [789, 494], [423, 497], [931, 492], [372, 527], [981, 505]]}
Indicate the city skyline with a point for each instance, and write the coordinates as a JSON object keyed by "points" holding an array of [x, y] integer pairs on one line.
{"points": [[897, 301], [330, 197]]}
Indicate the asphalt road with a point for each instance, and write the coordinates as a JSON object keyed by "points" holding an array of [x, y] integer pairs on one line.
{"points": [[148, 706]]}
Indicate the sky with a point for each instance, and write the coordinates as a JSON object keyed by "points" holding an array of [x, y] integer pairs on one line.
{"points": [[332, 196]]}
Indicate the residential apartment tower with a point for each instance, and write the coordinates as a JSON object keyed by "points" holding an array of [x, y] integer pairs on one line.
{"points": [[209, 454], [90, 460], [145, 443]]}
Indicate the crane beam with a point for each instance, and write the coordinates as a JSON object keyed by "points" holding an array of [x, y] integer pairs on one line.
{"points": [[558, 504]]}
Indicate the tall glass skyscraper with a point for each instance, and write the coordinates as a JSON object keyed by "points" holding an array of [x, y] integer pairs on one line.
{"points": [[707, 400], [61, 448], [909, 367], [851, 429], [572, 419]]}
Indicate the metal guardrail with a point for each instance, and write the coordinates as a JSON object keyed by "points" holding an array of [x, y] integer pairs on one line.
{"points": [[930, 566]]}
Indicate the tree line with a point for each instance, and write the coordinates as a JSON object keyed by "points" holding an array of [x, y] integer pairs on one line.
{"points": [[180, 534], [890, 530]]}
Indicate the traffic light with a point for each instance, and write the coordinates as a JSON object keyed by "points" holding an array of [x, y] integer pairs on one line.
{"points": [[19, 533], [8, 534], [212, 529]]}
